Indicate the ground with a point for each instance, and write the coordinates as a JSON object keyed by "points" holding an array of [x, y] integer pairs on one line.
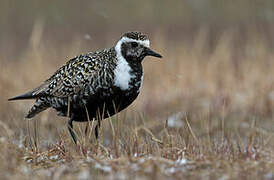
{"points": [[203, 113]]}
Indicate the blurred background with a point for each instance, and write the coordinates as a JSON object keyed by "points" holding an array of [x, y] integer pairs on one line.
{"points": [[97, 24], [217, 65]]}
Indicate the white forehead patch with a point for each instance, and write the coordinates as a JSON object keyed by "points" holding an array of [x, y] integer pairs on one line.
{"points": [[142, 42], [126, 39]]}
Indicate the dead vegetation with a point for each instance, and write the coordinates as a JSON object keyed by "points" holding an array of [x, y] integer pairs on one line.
{"points": [[201, 114]]}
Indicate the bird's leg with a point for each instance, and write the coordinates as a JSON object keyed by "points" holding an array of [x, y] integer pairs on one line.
{"points": [[97, 127], [96, 132], [70, 127], [88, 124]]}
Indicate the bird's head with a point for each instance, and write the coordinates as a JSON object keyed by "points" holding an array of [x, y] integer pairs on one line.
{"points": [[134, 46]]}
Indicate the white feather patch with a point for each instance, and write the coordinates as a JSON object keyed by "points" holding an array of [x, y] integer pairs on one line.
{"points": [[122, 72], [126, 39]]}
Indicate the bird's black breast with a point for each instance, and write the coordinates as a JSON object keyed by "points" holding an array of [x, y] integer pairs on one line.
{"points": [[100, 105]]}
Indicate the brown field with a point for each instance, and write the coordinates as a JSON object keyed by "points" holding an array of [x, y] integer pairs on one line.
{"points": [[205, 110]]}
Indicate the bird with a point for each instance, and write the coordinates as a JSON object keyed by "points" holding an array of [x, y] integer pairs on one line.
{"points": [[95, 85]]}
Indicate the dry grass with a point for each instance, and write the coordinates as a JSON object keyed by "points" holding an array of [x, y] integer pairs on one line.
{"points": [[200, 115]]}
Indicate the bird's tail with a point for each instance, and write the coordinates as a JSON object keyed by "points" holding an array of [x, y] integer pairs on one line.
{"points": [[39, 106], [28, 95]]}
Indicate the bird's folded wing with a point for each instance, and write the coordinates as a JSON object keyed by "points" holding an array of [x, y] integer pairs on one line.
{"points": [[69, 79]]}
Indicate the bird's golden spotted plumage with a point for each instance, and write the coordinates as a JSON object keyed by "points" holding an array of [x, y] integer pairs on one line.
{"points": [[103, 81]]}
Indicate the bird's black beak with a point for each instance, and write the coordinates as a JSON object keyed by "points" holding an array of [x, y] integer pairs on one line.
{"points": [[150, 52]]}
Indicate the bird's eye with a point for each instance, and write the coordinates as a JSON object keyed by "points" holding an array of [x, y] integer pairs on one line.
{"points": [[134, 44]]}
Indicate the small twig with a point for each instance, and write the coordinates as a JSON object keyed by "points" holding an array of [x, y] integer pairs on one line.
{"points": [[36, 136], [112, 128], [153, 138], [8, 130], [191, 131], [223, 123], [30, 139], [92, 122], [68, 111]]}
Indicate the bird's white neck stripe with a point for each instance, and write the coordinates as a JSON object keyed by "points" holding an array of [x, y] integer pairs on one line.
{"points": [[122, 72]]}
